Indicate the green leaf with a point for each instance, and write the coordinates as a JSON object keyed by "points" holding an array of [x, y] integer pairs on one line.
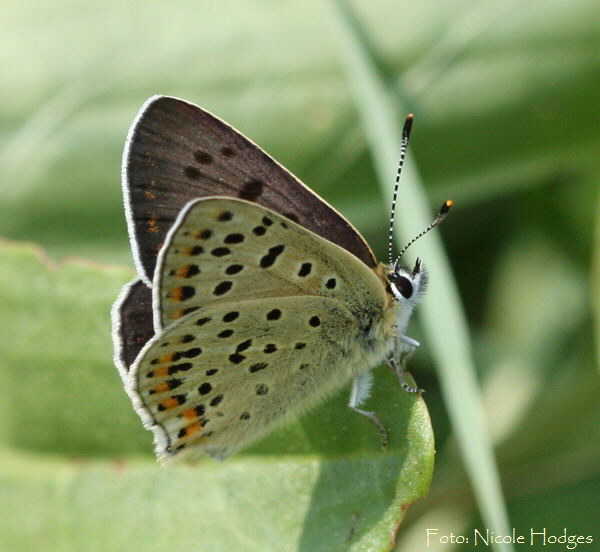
{"points": [[322, 483]]}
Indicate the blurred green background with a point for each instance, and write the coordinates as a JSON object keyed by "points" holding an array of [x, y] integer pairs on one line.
{"points": [[506, 97]]}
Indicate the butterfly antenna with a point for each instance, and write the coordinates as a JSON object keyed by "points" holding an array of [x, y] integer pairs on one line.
{"points": [[403, 147], [439, 218]]}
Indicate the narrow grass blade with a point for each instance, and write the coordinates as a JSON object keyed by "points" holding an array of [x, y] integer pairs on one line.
{"points": [[443, 319]]}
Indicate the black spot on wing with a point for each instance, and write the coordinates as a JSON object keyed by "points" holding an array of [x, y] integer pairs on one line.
{"points": [[205, 388], [216, 400], [243, 346], [234, 269], [234, 238], [230, 316], [331, 283], [257, 367], [192, 173], [274, 314], [203, 157], [251, 190], [305, 269], [220, 251], [269, 259], [262, 389], [222, 287]]}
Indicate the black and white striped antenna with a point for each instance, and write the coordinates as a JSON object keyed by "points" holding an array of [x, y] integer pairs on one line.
{"points": [[441, 213], [403, 147], [438, 218]]}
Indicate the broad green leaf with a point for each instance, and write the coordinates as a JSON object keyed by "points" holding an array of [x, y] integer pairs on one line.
{"points": [[77, 471]]}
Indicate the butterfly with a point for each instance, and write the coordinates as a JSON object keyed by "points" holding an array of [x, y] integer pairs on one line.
{"points": [[254, 299]]}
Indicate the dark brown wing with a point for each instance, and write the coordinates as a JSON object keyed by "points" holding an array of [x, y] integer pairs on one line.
{"points": [[132, 323], [177, 152]]}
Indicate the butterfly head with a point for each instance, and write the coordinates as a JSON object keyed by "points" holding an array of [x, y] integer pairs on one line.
{"points": [[407, 285]]}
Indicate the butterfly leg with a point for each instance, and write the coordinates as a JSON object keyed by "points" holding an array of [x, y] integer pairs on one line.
{"points": [[411, 343], [361, 388], [405, 349]]}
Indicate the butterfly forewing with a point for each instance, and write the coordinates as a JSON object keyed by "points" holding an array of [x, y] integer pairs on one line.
{"points": [[177, 152], [226, 374], [223, 249]]}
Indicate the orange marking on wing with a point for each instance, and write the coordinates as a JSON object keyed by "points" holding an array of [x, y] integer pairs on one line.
{"points": [[191, 429], [152, 222], [149, 194], [176, 294], [171, 402], [190, 414], [196, 234], [167, 357], [183, 271], [161, 387], [160, 372]]}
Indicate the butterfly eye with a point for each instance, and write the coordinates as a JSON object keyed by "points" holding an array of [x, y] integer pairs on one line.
{"points": [[404, 286]]}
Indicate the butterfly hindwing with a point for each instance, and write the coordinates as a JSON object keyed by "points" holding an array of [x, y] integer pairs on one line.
{"points": [[224, 249], [132, 323], [226, 374], [177, 152]]}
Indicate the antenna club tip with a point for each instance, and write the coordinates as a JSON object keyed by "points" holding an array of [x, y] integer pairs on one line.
{"points": [[407, 127], [446, 206]]}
